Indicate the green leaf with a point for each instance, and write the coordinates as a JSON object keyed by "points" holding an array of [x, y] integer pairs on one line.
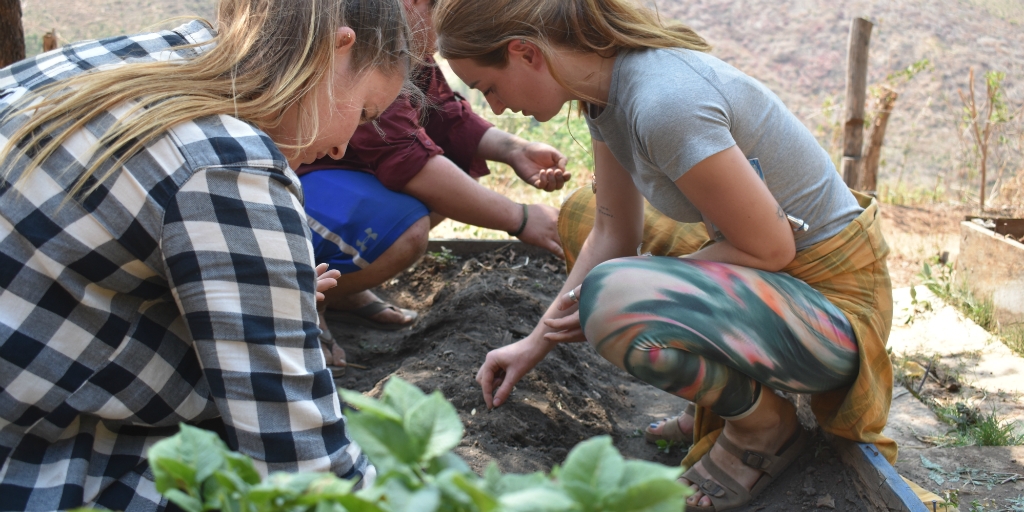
{"points": [[327, 487], [173, 474], [593, 464], [435, 425], [186, 502], [383, 439], [447, 461], [396, 496], [929, 464], [186, 459], [369, 405], [647, 496], [242, 466], [536, 500], [354, 503], [477, 491], [507, 484], [402, 396]]}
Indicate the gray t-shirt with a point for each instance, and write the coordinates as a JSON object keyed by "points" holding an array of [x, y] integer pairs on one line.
{"points": [[669, 109]]}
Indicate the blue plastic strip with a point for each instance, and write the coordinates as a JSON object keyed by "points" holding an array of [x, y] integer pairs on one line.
{"points": [[892, 478]]}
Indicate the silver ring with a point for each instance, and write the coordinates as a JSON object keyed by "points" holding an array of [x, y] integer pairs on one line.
{"points": [[572, 295]]}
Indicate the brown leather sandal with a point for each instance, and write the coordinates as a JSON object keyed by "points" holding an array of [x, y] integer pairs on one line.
{"points": [[724, 491], [671, 431]]}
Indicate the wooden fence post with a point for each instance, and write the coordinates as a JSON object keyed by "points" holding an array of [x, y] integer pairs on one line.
{"points": [[856, 92], [50, 41], [869, 169]]}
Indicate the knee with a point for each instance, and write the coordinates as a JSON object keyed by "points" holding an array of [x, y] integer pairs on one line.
{"points": [[413, 243], [603, 297]]}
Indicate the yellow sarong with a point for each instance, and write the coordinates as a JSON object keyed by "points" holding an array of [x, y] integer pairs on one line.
{"points": [[849, 269]]}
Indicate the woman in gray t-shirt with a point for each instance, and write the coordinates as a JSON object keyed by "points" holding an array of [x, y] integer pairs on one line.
{"points": [[702, 142]]}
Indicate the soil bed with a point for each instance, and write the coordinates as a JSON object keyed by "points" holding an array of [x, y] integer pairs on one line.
{"points": [[472, 305]]}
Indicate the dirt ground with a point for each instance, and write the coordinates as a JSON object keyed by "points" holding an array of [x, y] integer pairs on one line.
{"points": [[477, 303]]}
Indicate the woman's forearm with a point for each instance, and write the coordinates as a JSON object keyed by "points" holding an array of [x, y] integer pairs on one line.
{"points": [[723, 251], [597, 249], [450, 192]]}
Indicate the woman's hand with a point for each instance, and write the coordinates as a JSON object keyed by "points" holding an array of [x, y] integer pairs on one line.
{"points": [[540, 165], [325, 280], [542, 229], [505, 366], [566, 329]]}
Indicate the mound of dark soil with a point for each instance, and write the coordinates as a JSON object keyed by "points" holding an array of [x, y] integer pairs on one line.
{"points": [[474, 304]]}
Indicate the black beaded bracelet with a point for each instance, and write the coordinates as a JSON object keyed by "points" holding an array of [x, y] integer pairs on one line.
{"points": [[526, 215]]}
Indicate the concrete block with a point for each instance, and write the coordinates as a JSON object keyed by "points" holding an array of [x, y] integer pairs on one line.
{"points": [[994, 268]]}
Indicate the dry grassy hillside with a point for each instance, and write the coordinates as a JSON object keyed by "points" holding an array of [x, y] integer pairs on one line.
{"points": [[88, 19], [797, 47]]}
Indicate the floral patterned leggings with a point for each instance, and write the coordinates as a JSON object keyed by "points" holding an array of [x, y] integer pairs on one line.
{"points": [[710, 332]]}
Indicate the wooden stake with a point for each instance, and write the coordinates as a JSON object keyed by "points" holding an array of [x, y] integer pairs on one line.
{"points": [[50, 40], [856, 92], [869, 170]]}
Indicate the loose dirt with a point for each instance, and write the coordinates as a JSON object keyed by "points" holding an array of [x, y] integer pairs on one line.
{"points": [[472, 305]]}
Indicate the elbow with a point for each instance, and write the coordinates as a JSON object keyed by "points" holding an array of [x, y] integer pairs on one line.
{"points": [[779, 257]]}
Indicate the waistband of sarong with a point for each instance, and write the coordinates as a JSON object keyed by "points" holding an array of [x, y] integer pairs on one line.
{"points": [[858, 245]]}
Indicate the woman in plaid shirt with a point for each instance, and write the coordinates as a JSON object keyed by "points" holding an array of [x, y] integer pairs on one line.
{"points": [[155, 262]]}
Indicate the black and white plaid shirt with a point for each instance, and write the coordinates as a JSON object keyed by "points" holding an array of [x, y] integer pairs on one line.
{"points": [[182, 290]]}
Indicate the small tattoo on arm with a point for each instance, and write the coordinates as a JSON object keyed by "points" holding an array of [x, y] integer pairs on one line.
{"points": [[779, 213], [605, 211]]}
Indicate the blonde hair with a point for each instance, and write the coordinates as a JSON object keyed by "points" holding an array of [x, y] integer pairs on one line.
{"points": [[480, 30], [269, 55]]}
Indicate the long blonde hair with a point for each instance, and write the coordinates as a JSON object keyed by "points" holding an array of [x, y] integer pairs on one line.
{"points": [[480, 30], [269, 55]]}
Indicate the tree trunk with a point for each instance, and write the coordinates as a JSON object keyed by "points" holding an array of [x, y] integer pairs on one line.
{"points": [[12, 37], [869, 171]]}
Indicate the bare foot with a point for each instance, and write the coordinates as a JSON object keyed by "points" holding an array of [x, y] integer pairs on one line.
{"points": [[763, 431], [358, 300], [333, 354]]}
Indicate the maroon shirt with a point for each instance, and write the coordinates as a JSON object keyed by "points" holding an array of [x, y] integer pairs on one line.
{"points": [[451, 129]]}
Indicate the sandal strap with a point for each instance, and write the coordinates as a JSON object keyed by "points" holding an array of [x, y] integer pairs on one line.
{"points": [[372, 309], [706, 485], [756, 460], [724, 479], [691, 410]]}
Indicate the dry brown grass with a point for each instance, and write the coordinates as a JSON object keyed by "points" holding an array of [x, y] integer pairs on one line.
{"points": [[90, 19]]}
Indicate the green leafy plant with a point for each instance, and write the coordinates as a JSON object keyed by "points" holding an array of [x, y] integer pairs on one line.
{"points": [[665, 446], [917, 307], [444, 257], [942, 284], [409, 436], [973, 427]]}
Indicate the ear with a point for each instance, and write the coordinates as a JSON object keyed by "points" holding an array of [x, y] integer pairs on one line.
{"points": [[344, 39], [529, 53]]}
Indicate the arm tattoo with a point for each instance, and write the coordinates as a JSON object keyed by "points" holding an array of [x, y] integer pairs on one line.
{"points": [[604, 210], [779, 213]]}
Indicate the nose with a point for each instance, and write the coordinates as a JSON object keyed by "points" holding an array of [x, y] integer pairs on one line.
{"points": [[496, 105]]}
